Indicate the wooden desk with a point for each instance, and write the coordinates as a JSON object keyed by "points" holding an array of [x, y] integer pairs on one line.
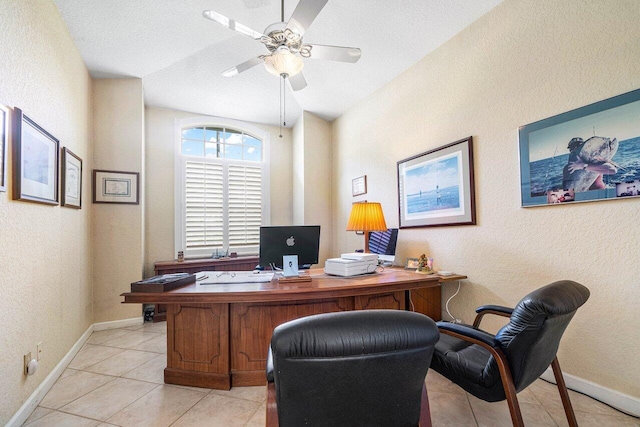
{"points": [[218, 335], [194, 265], [429, 300]]}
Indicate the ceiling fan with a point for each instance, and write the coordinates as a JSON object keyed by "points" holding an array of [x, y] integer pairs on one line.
{"points": [[284, 43]]}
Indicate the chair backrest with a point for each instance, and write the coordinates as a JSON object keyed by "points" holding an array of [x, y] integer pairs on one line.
{"points": [[531, 338], [354, 368]]}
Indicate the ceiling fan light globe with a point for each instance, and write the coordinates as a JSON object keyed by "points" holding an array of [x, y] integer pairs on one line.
{"points": [[283, 62]]}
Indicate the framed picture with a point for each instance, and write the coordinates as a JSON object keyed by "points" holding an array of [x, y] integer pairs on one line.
{"points": [[35, 161], [411, 264], [436, 188], [587, 154], [71, 178], [4, 144], [116, 187], [359, 186]]}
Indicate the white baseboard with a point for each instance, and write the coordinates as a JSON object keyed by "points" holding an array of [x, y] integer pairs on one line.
{"points": [[36, 397], [102, 326], [622, 402]]}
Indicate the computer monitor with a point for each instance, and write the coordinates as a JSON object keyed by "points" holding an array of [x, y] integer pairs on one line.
{"points": [[383, 243], [301, 240]]}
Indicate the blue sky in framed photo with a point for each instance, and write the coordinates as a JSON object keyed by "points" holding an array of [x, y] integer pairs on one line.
{"points": [[434, 186]]}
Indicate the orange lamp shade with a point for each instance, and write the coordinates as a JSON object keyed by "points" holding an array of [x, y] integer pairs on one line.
{"points": [[366, 217]]}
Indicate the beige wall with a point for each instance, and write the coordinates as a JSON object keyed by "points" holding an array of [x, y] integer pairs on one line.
{"points": [[118, 138], [298, 166], [160, 146], [524, 61], [45, 251], [312, 178]]}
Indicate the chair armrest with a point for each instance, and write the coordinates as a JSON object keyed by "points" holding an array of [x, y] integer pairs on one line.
{"points": [[269, 369], [498, 310], [467, 333]]}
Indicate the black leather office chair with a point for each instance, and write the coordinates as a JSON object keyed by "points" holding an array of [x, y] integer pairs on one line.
{"points": [[496, 367], [354, 368]]}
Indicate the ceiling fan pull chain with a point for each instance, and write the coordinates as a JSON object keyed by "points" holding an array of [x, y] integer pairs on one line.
{"points": [[284, 103]]}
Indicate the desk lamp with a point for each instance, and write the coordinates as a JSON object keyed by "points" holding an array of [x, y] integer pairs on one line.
{"points": [[366, 217]]}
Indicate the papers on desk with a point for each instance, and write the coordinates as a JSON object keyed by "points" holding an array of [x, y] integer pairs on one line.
{"points": [[231, 277]]}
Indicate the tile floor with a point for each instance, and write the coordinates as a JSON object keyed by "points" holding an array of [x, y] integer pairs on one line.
{"points": [[117, 380]]}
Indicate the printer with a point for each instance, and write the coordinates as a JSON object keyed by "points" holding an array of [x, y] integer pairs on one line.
{"points": [[351, 264]]}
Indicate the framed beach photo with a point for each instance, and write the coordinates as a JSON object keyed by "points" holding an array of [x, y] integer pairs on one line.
{"points": [[116, 187], [436, 188], [4, 145], [71, 177], [588, 154], [35, 161]]}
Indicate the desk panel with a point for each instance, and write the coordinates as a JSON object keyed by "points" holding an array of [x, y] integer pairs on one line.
{"points": [[198, 345]]}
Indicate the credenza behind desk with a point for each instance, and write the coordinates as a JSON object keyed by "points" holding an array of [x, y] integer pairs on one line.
{"points": [[218, 335]]}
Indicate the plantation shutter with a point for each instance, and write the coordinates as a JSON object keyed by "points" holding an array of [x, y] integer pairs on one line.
{"points": [[204, 205], [244, 205]]}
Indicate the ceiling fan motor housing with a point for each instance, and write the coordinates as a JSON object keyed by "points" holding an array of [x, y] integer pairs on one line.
{"points": [[278, 36]]}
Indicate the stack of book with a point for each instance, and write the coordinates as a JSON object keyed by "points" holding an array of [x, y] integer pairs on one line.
{"points": [[163, 283]]}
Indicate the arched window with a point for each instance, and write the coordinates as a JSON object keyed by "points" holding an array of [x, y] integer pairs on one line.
{"points": [[222, 191]]}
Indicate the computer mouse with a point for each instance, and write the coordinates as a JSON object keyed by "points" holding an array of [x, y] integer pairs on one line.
{"points": [[256, 271]]}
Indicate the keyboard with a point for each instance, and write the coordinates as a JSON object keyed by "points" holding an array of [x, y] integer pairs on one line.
{"points": [[224, 277]]}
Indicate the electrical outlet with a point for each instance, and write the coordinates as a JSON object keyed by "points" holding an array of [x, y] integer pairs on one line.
{"points": [[27, 359], [39, 351]]}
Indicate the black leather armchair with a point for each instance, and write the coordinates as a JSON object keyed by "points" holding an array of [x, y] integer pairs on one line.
{"points": [[354, 368], [496, 367]]}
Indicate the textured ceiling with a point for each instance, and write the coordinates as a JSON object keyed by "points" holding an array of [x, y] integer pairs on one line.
{"points": [[179, 54]]}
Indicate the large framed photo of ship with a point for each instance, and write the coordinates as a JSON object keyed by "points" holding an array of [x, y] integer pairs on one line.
{"points": [[588, 154], [436, 188]]}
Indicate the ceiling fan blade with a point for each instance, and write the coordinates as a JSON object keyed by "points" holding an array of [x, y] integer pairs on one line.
{"points": [[297, 82], [306, 11], [335, 53], [231, 24], [233, 71]]}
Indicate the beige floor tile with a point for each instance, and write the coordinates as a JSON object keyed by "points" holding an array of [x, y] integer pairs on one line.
{"points": [[91, 354], [497, 414], [56, 418], [131, 339], [158, 327], [215, 410], [594, 420], [66, 373], [109, 399], [527, 396], [259, 419], [255, 394], [99, 337], [200, 389], [39, 412], [450, 410], [152, 371], [156, 345], [437, 382], [547, 393], [73, 386], [122, 362], [159, 408]]}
